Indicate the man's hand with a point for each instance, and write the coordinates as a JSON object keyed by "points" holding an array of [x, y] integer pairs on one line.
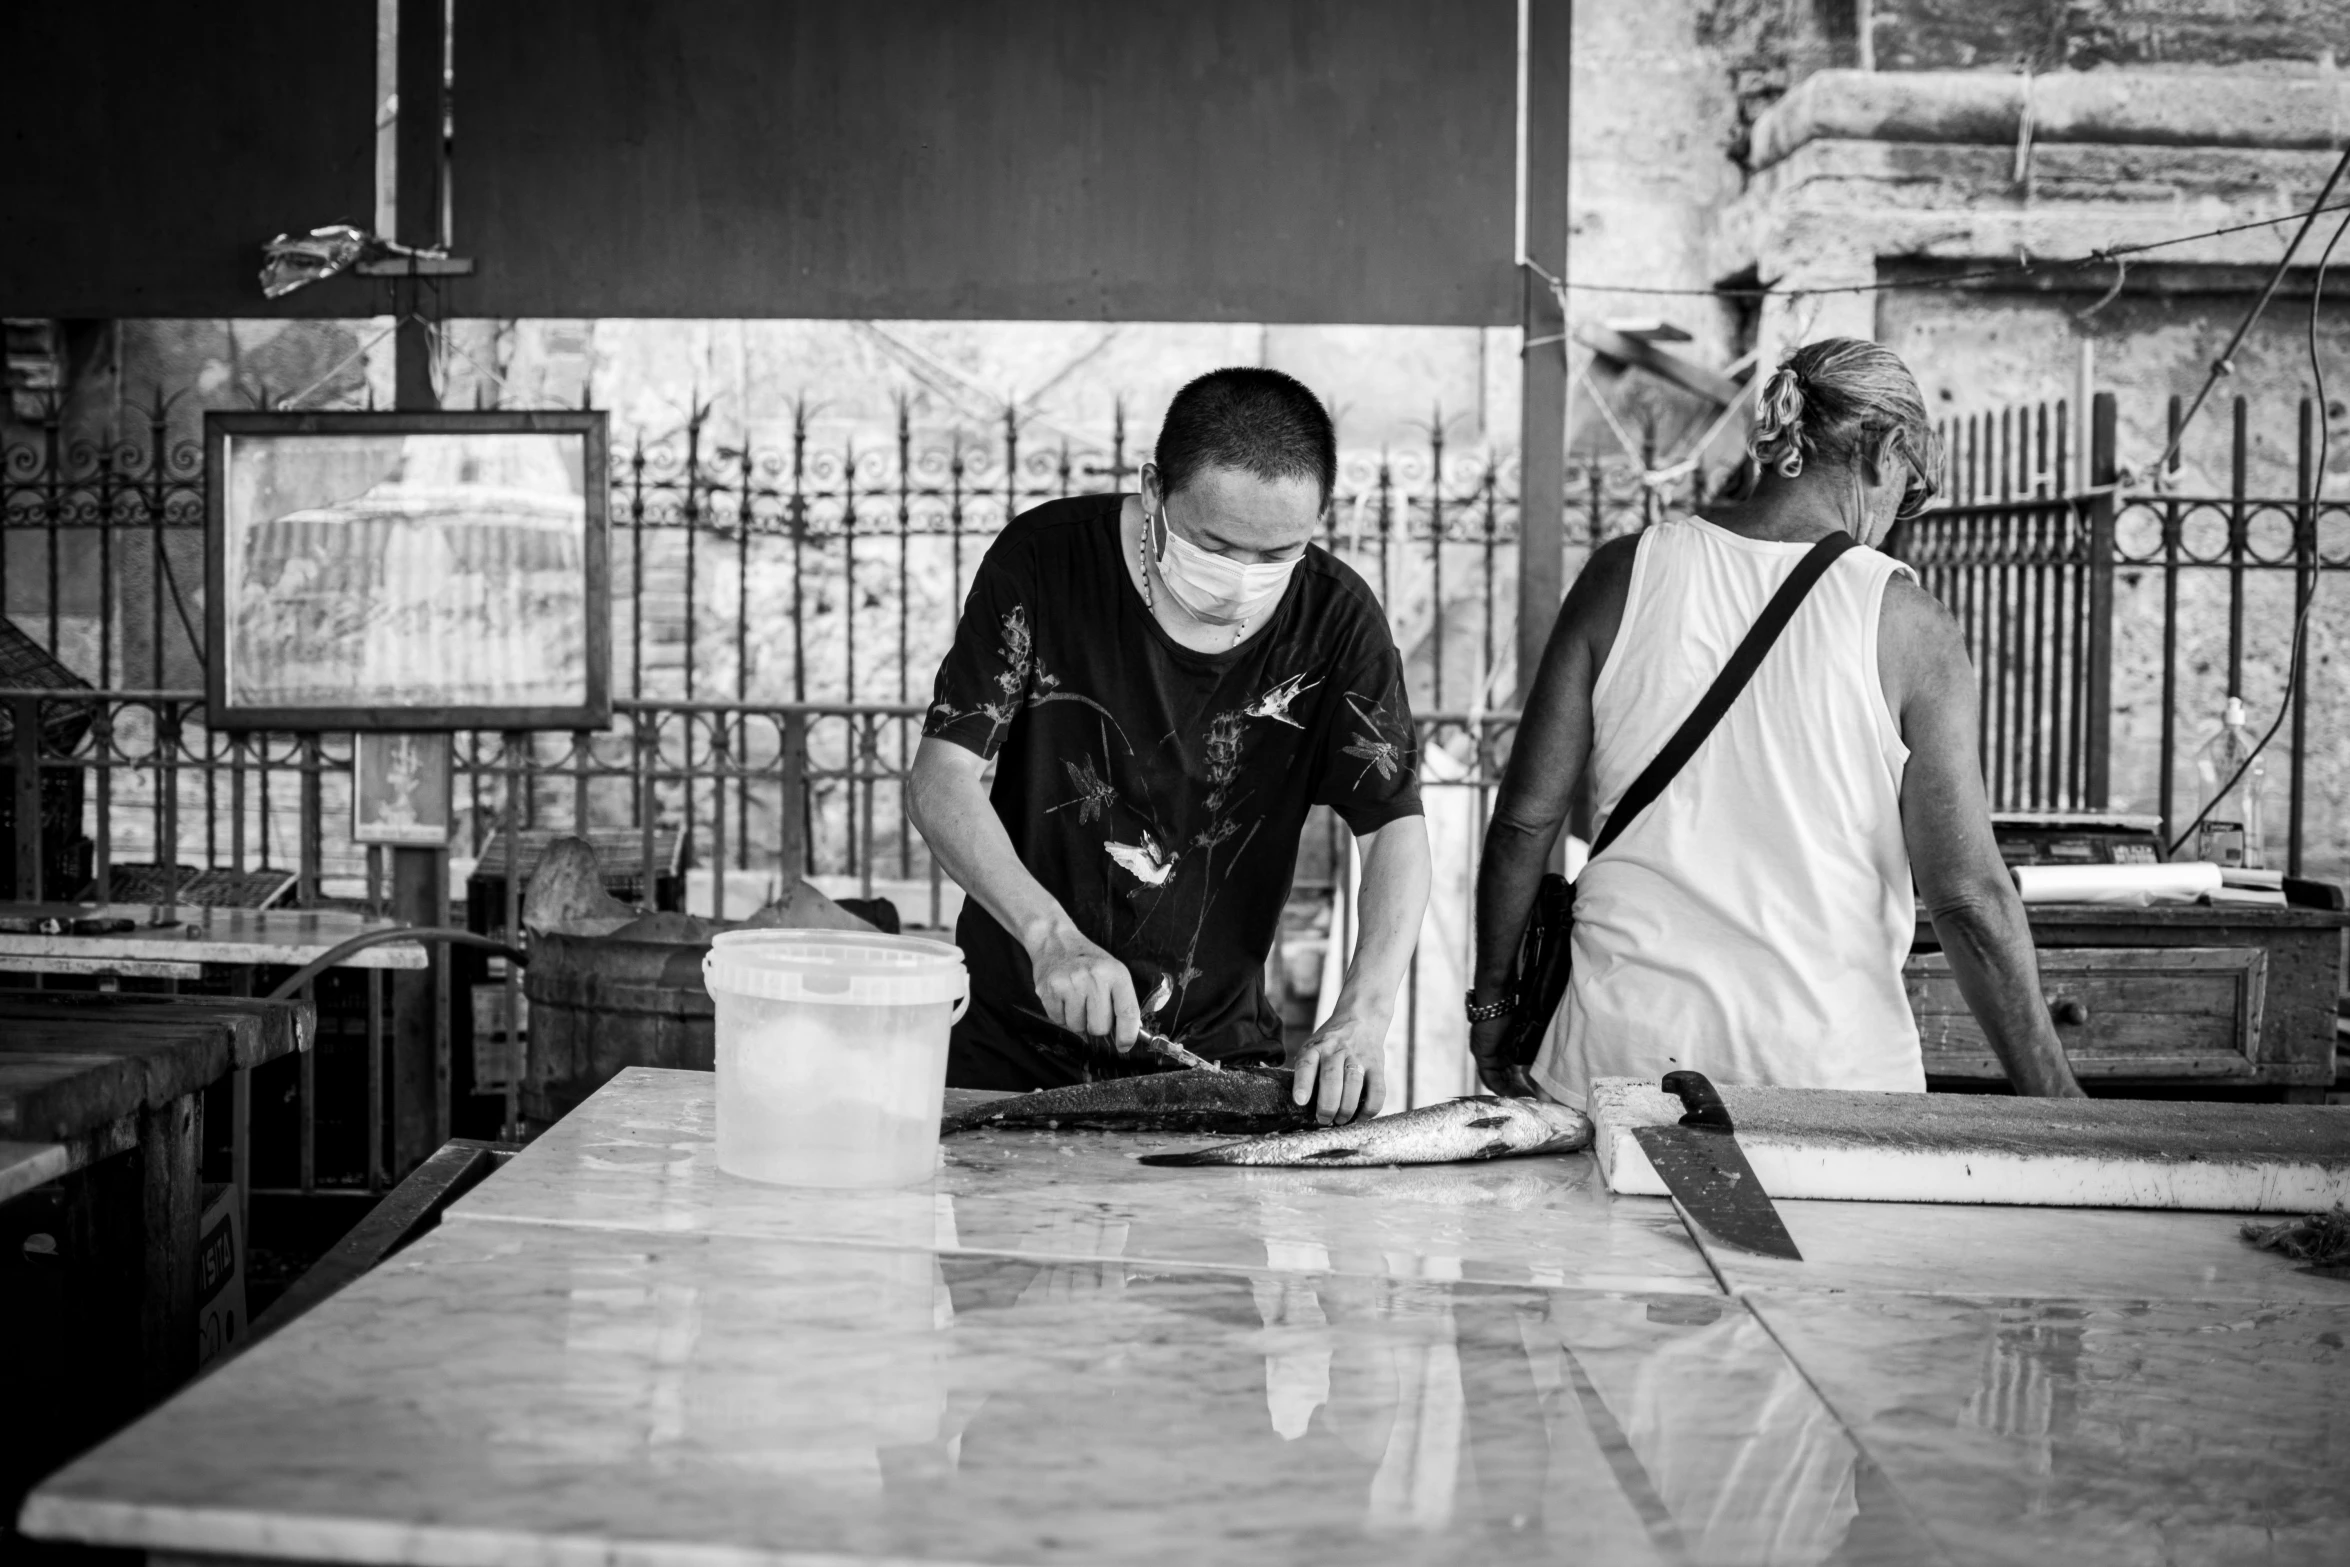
{"points": [[1506, 1078], [1342, 1069], [1083, 988]]}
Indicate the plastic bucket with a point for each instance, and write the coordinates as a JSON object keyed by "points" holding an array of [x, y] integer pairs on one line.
{"points": [[832, 1053]]}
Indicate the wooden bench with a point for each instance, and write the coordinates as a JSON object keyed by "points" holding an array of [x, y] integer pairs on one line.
{"points": [[101, 1093]]}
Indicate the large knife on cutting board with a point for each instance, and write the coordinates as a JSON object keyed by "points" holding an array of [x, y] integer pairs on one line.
{"points": [[1702, 1166]]}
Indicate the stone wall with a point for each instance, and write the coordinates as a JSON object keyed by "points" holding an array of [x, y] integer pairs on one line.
{"points": [[2050, 35]]}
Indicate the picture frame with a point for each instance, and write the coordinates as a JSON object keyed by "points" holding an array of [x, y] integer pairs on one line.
{"points": [[402, 789], [407, 572]]}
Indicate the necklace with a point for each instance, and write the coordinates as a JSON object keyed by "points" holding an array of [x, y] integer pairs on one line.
{"points": [[1142, 561]]}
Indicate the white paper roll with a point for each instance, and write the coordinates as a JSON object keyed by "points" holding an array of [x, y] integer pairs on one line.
{"points": [[2183, 881]]}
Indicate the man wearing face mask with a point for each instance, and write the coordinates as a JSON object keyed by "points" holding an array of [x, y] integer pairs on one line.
{"points": [[1167, 682]]}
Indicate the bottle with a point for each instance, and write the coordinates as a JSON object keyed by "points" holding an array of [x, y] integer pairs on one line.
{"points": [[2231, 833]]}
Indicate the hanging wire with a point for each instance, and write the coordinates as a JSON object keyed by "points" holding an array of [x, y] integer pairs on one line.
{"points": [[2109, 255], [2225, 364]]}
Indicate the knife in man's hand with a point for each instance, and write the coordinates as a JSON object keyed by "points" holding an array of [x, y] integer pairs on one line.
{"points": [[1708, 1175]]}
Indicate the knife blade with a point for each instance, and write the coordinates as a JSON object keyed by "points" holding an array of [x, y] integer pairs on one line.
{"points": [[1156, 1046], [1702, 1166]]}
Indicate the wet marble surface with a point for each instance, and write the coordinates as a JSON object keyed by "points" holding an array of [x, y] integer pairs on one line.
{"points": [[640, 1155], [2079, 1253], [2094, 1431], [612, 1353], [532, 1394]]}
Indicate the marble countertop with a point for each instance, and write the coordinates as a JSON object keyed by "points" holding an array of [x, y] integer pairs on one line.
{"points": [[277, 936], [641, 1155], [610, 1352]]}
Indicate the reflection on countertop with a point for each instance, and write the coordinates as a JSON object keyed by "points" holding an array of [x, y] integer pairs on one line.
{"points": [[590, 1390], [641, 1156], [2095, 1431], [613, 1353]]}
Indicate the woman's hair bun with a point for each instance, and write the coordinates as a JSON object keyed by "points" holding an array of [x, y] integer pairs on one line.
{"points": [[1829, 402], [1778, 441]]}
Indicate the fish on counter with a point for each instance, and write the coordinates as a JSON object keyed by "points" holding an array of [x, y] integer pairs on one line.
{"points": [[1235, 1099], [1479, 1127]]}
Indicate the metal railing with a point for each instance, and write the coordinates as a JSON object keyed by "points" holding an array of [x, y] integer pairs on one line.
{"points": [[2021, 556], [2264, 559], [2088, 596], [777, 614], [820, 575]]}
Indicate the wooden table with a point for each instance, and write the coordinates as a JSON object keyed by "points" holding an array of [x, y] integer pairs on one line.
{"points": [[285, 938], [238, 940], [2228, 997], [612, 1352], [102, 1091]]}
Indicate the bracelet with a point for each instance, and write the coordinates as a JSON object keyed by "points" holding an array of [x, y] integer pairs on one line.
{"points": [[1485, 1011]]}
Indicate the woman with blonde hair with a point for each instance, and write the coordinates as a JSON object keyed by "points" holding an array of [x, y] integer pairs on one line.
{"points": [[1751, 919]]}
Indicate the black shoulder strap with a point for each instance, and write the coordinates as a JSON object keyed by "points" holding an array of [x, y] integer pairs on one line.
{"points": [[1718, 698]]}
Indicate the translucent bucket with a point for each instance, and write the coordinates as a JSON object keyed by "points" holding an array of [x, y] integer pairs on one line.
{"points": [[832, 1053]]}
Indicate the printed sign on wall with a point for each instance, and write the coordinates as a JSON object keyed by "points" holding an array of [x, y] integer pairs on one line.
{"points": [[400, 791]]}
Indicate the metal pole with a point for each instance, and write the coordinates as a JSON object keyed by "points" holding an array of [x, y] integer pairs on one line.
{"points": [[2103, 471], [1546, 43], [420, 877], [2239, 541], [375, 1079], [511, 1025], [2304, 583]]}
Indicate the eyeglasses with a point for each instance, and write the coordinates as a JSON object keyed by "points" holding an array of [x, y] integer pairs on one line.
{"points": [[1925, 483]]}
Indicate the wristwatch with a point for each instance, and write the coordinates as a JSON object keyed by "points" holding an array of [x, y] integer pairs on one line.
{"points": [[1485, 1011]]}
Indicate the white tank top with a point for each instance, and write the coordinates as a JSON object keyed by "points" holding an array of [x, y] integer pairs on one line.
{"points": [[1752, 924]]}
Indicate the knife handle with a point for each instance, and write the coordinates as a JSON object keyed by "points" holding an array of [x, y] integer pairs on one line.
{"points": [[1699, 1098]]}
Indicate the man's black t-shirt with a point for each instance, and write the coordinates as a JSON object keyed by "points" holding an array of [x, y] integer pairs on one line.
{"points": [[1156, 792]]}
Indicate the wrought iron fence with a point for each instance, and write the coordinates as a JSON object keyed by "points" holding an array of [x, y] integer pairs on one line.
{"points": [[778, 613], [2091, 599], [862, 548], [2021, 556], [2231, 585]]}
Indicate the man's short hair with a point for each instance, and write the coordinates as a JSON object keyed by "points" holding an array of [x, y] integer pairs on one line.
{"points": [[1258, 421]]}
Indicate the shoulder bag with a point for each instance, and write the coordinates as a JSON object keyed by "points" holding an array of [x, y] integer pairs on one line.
{"points": [[1539, 983]]}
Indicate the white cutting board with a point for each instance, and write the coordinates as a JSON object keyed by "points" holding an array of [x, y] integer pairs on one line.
{"points": [[1983, 1148]]}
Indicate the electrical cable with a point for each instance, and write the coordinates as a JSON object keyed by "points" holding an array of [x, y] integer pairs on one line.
{"points": [[2225, 364], [2295, 670], [2110, 254]]}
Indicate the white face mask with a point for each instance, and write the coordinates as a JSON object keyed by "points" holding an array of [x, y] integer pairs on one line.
{"points": [[1213, 588]]}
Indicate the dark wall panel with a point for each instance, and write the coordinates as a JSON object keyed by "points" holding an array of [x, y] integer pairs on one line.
{"points": [[1277, 160], [152, 145]]}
